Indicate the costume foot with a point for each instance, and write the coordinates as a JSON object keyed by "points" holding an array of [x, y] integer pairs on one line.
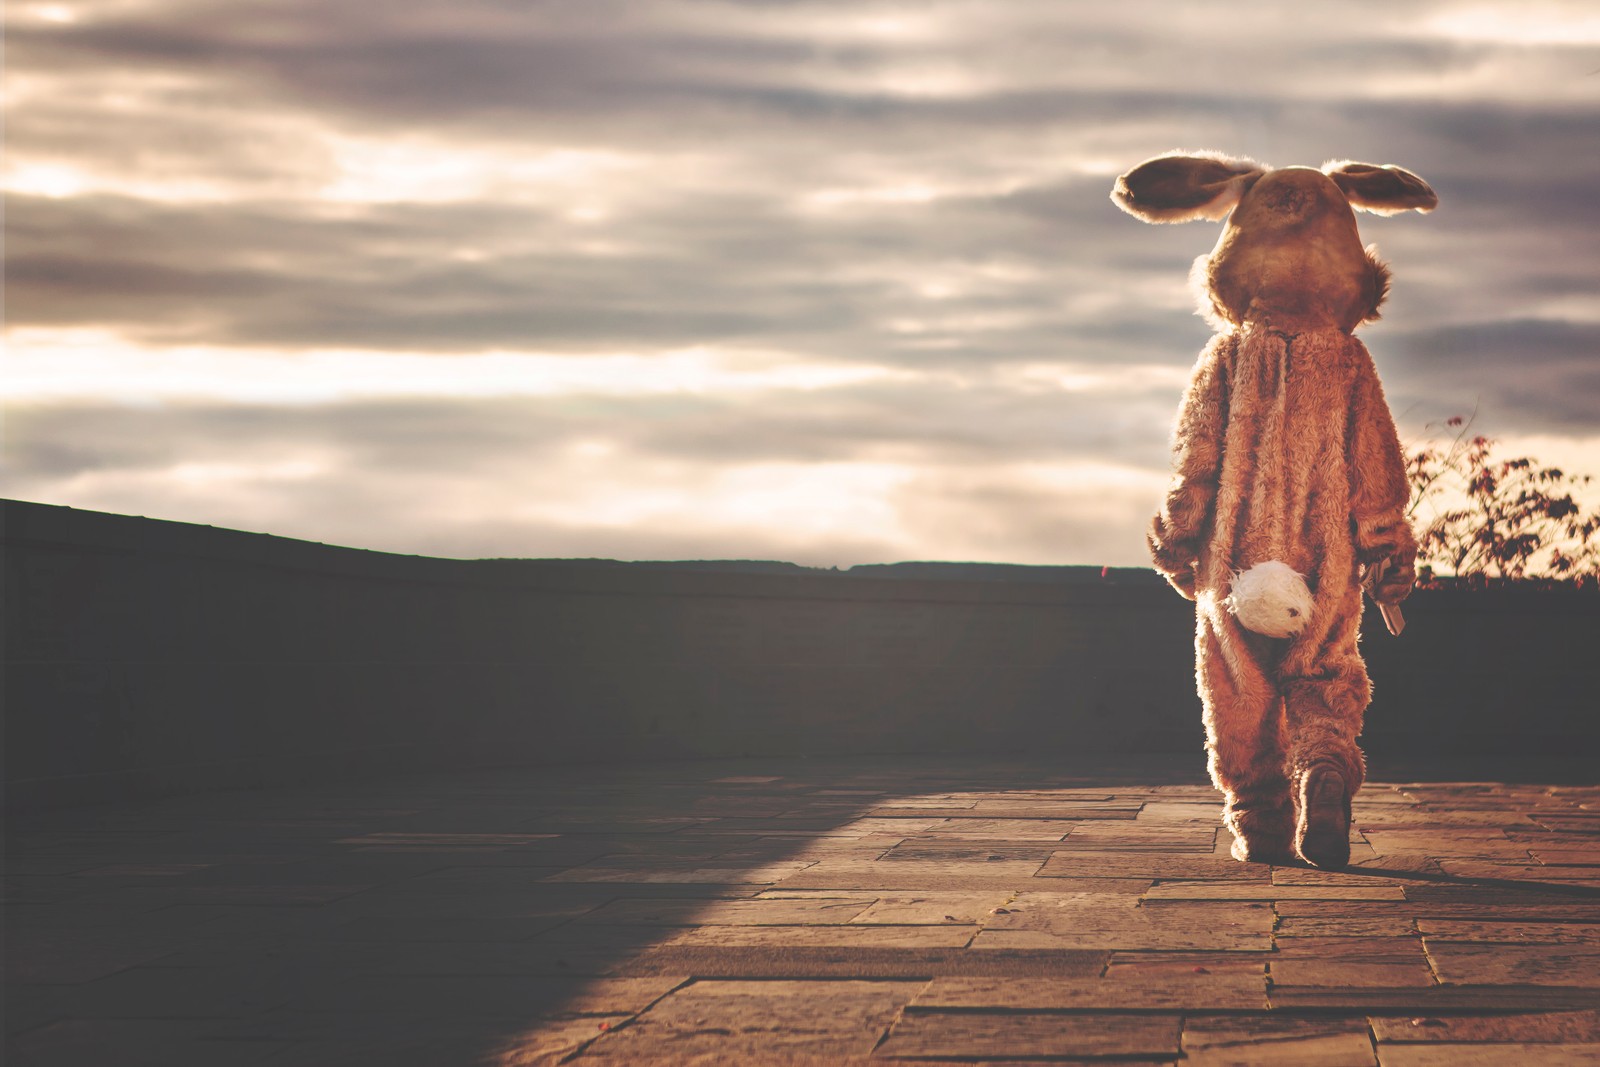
{"points": [[1263, 831], [1323, 836], [1246, 851]]}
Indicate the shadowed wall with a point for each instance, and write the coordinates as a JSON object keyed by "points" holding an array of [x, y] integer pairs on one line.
{"points": [[145, 657]]}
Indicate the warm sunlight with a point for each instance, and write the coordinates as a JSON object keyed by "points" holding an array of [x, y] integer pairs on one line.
{"points": [[44, 365], [1531, 24], [375, 171], [696, 257]]}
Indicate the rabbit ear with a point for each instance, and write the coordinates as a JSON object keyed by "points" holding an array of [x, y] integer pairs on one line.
{"points": [[1386, 190], [1182, 187]]}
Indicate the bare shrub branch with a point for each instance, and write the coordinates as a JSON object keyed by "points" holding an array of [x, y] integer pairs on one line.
{"points": [[1482, 520]]}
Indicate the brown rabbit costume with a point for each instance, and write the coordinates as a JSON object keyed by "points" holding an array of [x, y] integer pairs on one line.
{"points": [[1285, 454]]}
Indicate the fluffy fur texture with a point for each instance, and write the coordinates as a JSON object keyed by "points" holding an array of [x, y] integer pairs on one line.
{"points": [[1183, 187], [1270, 598], [1285, 451], [1386, 190]]}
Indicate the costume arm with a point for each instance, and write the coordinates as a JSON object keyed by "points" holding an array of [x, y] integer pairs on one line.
{"points": [[1379, 491], [1184, 522]]}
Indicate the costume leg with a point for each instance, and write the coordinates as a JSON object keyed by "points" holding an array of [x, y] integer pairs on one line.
{"points": [[1244, 737], [1325, 701]]}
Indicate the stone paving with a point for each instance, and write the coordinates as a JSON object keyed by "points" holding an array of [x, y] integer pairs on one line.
{"points": [[806, 912]]}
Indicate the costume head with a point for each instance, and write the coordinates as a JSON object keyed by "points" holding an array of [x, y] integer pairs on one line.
{"points": [[1290, 256]]}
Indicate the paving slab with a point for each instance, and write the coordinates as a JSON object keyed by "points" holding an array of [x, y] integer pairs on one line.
{"points": [[1515, 874], [1475, 842], [791, 961], [1248, 1041], [1242, 891], [1576, 857], [1239, 985], [792, 911], [1489, 1055], [1184, 866], [1386, 962], [1004, 829], [1423, 1000], [1141, 837], [1292, 927], [912, 874], [1388, 871], [1543, 908], [971, 1035], [751, 1022], [932, 908], [1089, 921], [1511, 933], [1507, 964], [825, 936], [994, 810], [818, 911], [1541, 1027]]}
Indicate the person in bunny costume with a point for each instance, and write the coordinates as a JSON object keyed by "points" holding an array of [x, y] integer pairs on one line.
{"points": [[1289, 485]]}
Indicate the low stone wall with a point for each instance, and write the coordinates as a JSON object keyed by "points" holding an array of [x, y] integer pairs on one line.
{"points": [[145, 657]]}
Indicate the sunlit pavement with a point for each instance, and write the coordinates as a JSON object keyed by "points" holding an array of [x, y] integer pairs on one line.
{"points": [[807, 911]]}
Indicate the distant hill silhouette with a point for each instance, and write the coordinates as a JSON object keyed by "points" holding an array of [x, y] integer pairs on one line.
{"points": [[145, 657], [918, 570]]}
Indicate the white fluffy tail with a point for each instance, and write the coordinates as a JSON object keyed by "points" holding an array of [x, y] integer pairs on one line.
{"points": [[1271, 599]]}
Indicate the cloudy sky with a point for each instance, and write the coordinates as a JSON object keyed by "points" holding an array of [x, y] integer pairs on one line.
{"points": [[833, 282]]}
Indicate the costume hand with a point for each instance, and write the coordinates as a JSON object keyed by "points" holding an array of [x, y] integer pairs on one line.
{"points": [[1183, 582], [1397, 580]]}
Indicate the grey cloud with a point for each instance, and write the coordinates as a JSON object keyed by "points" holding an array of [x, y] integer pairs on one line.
{"points": [[722, 253], [961, 425], [605, 60], [933, 422], [663, 74], [385, 462], [1533, 376], [734, 269], [705, 272], [59, 441]]}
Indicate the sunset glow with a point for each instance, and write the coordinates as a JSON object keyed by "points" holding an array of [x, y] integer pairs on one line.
{"points": [[832, 283]]}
